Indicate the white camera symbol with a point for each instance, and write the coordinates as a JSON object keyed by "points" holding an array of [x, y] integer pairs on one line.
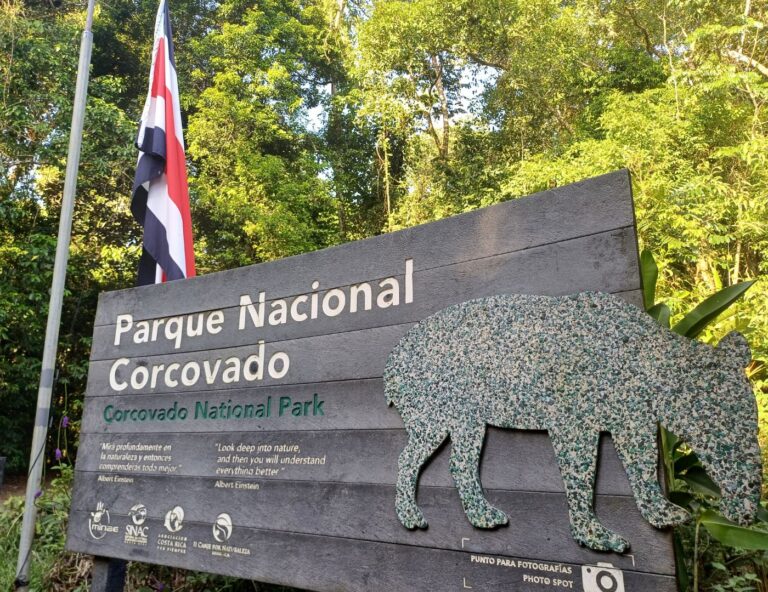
{"points": [[602, 577]]}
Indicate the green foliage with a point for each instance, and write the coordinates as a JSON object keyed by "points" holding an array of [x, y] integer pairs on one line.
{"points": [[732, 534], [313, 122], [687, 482], [697, 320], [51, 568], [257, 186]]}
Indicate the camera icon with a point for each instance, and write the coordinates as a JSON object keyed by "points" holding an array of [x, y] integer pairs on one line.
{"points": [[602, 577]]}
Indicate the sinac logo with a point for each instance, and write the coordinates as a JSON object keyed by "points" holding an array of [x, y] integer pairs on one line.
{"points": [[174, 519], [136, 533], [222, 528], [138, 514]]}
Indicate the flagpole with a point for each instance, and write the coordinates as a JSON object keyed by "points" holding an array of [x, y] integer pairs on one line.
{"points": [[37, 455]]}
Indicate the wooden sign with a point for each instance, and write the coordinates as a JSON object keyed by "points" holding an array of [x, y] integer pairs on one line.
{"points": [[236, 423]]}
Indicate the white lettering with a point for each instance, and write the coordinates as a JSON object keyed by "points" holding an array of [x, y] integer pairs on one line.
{"points": [[248, 370], [214, 322], [408, 281], [365, 288], [142, 332], [390, 296], [295, 315], [257, 316], [279, 314], [174, 329], [171, 382], [211, 373], [285, 362], [232, 373], [186, 379], [124, 324], [139, 377], [341, 301], [113, 383]]}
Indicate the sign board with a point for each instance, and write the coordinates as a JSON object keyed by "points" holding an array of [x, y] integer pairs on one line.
{"points": [[236, 423]]}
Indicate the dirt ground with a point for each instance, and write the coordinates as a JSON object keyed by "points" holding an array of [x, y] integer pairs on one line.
{"points": [[12, 485]]}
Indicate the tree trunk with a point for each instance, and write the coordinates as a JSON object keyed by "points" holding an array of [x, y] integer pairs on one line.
{"points": [[442, 144]]}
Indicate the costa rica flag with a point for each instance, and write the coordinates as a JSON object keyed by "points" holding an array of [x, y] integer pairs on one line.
{"points": [[160, 201]]}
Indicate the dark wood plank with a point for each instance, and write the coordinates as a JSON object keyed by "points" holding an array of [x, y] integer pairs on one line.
{"points": [[595, 262], [591, 206], [365, 511], [512, 459], [353, 355], [349, 404], [330, 564], [108, 575]]}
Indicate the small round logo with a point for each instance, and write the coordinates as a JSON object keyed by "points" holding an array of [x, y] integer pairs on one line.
{"points": [[174, 519], [222, 528], [138, 514]]}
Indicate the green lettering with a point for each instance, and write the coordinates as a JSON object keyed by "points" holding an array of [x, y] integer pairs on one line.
{"points": [[317, 405]]}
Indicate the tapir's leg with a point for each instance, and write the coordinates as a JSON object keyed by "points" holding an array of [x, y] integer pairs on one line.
{"points": [[467, 444], [639, 453], [421, 445], [576, 451]]}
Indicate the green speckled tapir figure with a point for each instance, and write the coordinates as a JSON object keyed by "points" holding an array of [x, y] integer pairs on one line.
{"points": [[574, 366]]}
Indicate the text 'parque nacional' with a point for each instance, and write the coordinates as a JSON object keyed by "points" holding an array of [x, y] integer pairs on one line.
{"points": [[266, 360]]}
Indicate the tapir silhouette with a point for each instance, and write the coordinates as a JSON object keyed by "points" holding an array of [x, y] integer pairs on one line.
{"points": [[574, 366]]}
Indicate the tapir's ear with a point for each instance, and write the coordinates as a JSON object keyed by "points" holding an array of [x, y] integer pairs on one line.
{"points": [[735, 348]]}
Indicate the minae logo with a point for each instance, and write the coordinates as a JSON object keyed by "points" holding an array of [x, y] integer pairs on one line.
{"points": [[99, 522]]}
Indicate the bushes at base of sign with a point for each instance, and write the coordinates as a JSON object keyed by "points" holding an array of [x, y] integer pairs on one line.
{"points": [[55, 570], [718, 568], [50, 567], [740, 563], [143, 577]]}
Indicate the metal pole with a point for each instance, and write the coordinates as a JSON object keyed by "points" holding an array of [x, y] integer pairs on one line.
{"points": [[37, 456]]}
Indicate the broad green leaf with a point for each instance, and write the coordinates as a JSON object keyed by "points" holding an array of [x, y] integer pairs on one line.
{"points": [[731, 534], [762, 514], [668, 440], [700, 482], [685, 462], [661, 313], [718, 565], [706, 312], [649, 273], [680, 498]]}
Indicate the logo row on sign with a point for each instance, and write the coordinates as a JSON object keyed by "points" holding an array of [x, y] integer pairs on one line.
{"points": [[99, 524]]}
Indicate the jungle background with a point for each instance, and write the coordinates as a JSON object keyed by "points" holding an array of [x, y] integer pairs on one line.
{"points": [[313, 122]]}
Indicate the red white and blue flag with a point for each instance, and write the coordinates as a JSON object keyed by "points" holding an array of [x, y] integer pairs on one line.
{"points": [[160, 194]]}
